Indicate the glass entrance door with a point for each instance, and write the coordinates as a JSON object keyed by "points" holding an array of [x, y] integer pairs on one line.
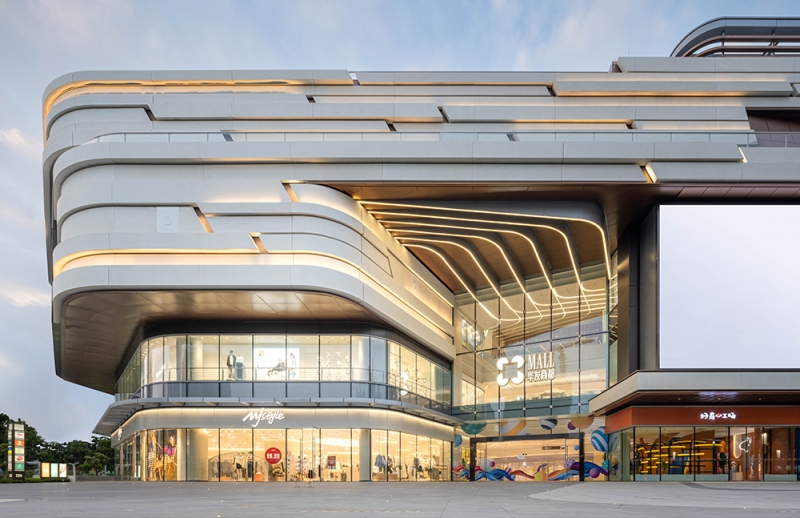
{"points": [[528, 460]]}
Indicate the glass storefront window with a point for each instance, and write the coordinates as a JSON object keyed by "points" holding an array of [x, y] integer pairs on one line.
{"points": [[780, 449], [707, 454], [155, 360], [270, 357], [236, 461], [174, 358], [378, 360], [270, 455], [677, 453], [408, 371], [302, 358], [161, 455], [712, 457], [394, 364], [647, 454], [380, 469], [336, 448], [360, 360], [423, 459], [593, 361], [408, 457], [394, 463], [236, 357], [424, 377], [269, 451], [203, 357], [281, 358], [335, 357]]}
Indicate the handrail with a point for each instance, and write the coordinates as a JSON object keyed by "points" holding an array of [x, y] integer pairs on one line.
{"points": [[740, 138]]}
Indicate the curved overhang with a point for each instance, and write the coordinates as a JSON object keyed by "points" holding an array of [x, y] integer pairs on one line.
{"points": [[121, 411], [741, 36], [96, 330], [700, 387]]}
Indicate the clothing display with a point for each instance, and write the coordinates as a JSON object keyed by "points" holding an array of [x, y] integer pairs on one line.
{"points": [[230, 362], [239, 367]]}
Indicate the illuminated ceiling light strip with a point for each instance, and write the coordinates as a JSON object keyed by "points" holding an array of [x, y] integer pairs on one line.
{"points": [[480, 267], [533, 246], [458, 276], [583, 289], [508, 262], [563, 235], [606, 256]]}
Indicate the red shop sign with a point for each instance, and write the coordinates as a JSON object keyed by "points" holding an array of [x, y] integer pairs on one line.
{"points": [[273, 455], [332, 461]]}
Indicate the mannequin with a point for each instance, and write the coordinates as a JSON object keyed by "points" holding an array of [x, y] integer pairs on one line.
{"points": [[261, 366], [239, 367], [231, 364], [250, 466]]}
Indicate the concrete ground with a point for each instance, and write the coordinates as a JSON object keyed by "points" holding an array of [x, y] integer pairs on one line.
{"points": [[461, 500]]}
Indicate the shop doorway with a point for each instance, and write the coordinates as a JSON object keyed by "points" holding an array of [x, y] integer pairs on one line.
{"points": [[550, 458]]}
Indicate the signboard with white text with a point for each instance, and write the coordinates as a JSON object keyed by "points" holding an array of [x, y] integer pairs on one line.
{"points": [[16, 450]]}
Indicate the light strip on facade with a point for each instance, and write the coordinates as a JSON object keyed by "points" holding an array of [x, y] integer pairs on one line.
{"points": [[583, 289], [519, 282], [458, 276], [495, 288], [563, 235], [495, 213]]}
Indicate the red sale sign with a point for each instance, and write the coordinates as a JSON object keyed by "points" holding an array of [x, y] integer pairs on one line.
{"points": [[273, 455]]}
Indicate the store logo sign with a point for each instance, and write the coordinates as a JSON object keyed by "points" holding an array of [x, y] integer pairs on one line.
{"points": [[713, 416], [269, 416], [534, 367]]}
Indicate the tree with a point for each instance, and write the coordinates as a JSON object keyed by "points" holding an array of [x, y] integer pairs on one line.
{"points": [[53, 452], [103, 445], [4, 420], [34, 444], [95, 462], [75, 452]]}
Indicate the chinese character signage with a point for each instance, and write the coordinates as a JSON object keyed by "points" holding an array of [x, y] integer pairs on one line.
{"points": [[16, 450], [533, 367], [715, 416]]}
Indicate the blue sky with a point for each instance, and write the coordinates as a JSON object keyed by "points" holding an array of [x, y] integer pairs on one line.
{"points": [[44, 39]]}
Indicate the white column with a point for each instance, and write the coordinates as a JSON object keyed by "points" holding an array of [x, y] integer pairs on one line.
{"points": [[364, 454], [180, 454]]}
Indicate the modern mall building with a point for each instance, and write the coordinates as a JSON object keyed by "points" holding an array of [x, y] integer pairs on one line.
{"points": [[293, 275]]}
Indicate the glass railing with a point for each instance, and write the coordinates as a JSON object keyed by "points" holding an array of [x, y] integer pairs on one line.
{"points": [[741, 139], [291, 374], [284, 388]]}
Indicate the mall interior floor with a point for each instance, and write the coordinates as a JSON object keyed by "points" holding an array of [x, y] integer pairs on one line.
{"points": [[440, 500]]}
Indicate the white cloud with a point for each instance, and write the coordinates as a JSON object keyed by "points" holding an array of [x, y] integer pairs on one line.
{"points": [[23, 144], [23, 297]]}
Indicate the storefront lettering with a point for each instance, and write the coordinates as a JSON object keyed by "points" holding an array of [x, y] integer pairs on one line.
{"points": [[541, 367], [534, 367], [263, 415], [713, 416]]}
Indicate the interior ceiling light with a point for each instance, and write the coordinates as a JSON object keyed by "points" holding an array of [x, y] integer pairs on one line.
{"points": [[606, 255]]}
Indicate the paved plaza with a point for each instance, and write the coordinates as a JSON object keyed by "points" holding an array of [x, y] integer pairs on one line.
{"points": [[457, 500]]}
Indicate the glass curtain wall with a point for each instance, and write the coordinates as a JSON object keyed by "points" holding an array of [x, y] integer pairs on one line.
{"points": [[705, 454], [543, 351], [281, 358]]}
